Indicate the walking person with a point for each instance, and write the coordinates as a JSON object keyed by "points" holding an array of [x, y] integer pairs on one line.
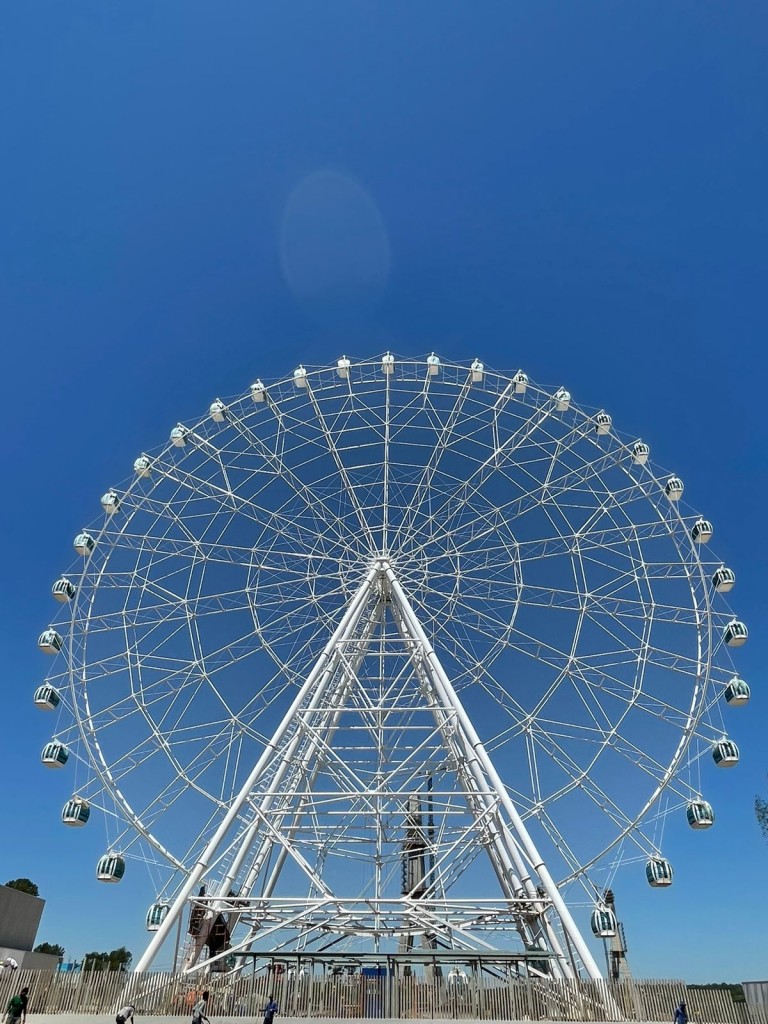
{"points": [[126, 1014], [681, 1014], [270, 1010], [16, 1010], [200, 1009]]}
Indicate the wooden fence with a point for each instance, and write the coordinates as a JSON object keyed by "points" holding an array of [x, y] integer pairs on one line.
{"points": [[475, 996]]}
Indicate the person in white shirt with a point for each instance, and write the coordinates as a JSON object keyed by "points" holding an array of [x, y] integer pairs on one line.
{"points": [[199, 1010]]}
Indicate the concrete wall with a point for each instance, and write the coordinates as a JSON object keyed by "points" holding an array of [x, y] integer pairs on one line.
{"points": [[20, 916], [756, 993], [30, 961]]}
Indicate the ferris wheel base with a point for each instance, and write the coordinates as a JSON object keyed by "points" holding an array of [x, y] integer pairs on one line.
{"points": [[272, 803], [486, 925]]}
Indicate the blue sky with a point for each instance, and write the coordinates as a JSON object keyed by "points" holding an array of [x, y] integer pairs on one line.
{"points": [[578, 189]]}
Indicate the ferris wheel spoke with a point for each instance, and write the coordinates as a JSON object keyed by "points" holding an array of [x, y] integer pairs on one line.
{"points": [[571, 482], [495, 464], [580, 778], [630, 750], [617, 743], [627, 826], [232, 502], [635, 632], [659, 657], [172, 607], [313, 503], [170, 883], [291, 563], [501, 453], [424, 486], [155, 691], [564, 848], [481, 620], [349, 489], [386, 496], [595, 677], [606, 538], [172, 793], [591, 700], [456, 504], [611, 606], [168, 513]]}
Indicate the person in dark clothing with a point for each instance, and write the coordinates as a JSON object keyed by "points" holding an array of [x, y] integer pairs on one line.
{"points": [[270, 1010], [681, 1015], [17, 1008]]}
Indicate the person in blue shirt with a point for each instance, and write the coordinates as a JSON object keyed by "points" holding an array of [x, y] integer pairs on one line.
{"points": [[270, 1010], [681, 1015]]}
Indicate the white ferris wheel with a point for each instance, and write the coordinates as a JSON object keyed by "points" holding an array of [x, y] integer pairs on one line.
{"points": [[391, 653]]}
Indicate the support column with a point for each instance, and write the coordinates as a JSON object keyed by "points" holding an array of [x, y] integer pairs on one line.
{"points": [[451, 699], [347, 625], [504, 855]]}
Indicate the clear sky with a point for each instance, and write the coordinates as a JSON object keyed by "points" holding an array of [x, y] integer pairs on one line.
{"points": [[578, 189]]}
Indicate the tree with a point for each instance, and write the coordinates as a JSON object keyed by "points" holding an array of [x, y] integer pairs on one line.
{"points": [[50, 948], [117, 960], [761, 813], [733, 988], [24, 885]]}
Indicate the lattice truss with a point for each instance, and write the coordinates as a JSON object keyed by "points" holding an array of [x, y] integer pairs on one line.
{"points": [[554, 571]]}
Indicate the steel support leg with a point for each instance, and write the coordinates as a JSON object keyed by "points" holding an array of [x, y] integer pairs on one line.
{"points": [[450, 698], [347, 625]]}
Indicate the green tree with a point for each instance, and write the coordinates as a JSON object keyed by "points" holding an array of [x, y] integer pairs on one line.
{"points": [[117, 960], [95, 961], [733, 988], [761, 813], [24, 885], [50, 948]]}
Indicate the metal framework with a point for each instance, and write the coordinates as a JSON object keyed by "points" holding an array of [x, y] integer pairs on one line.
{"points": [[306, 734], [393, 654]]}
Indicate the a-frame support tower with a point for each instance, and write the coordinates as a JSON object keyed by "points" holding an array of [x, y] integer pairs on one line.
{"points": [[310, 851]]}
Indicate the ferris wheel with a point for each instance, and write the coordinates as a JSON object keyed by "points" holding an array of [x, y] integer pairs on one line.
{"points": [[389, 652]]}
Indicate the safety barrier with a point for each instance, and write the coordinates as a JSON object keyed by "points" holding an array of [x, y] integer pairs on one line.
{"points": [[473, 995]]}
